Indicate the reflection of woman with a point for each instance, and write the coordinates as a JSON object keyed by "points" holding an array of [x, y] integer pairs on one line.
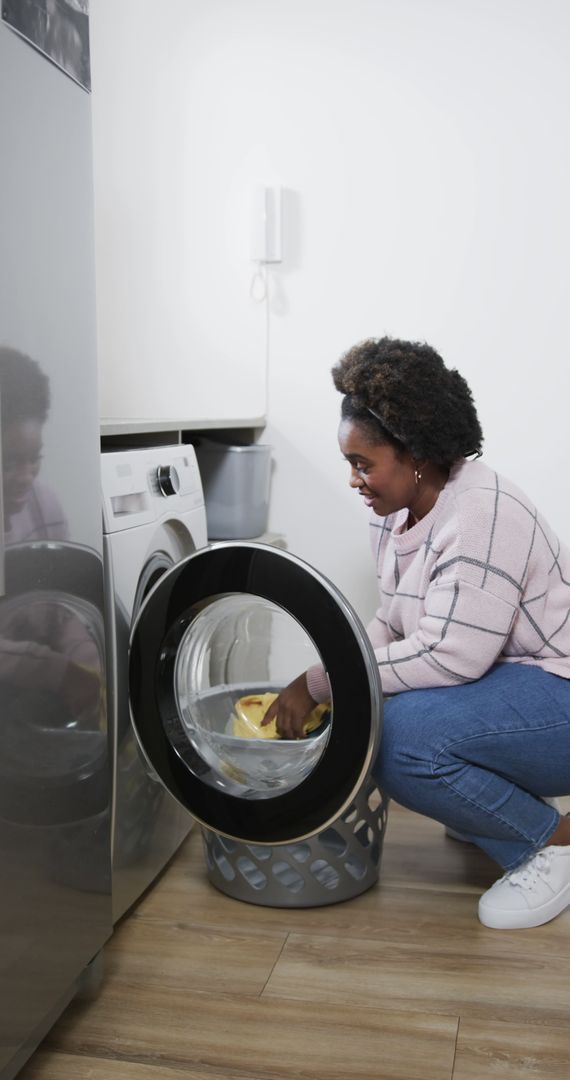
{"points": [[472, 635], [45, 645], [31, 511]]}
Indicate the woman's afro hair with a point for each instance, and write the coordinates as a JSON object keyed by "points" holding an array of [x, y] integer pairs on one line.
{"points": [[417, 402], [24, 389]]}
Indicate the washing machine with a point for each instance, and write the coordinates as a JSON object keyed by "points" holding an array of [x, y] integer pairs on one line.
{"points": [[153, 518], [239, 619]]}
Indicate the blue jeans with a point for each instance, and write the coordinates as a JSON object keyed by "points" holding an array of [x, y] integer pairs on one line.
{"points": [[477, 757]]}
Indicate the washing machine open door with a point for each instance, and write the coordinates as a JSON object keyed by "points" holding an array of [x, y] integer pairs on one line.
{"points": [[241, 619]]}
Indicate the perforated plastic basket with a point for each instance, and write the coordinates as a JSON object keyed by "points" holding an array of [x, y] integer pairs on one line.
{"points": [[336, 864]]}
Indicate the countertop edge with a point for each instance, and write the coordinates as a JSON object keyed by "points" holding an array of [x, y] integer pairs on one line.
{"points": [[110, 426]]}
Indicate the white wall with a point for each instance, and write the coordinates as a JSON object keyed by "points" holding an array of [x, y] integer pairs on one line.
{"points": [[425, 151]]}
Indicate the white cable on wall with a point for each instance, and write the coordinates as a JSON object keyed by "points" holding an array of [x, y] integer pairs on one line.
{"points": [[258, 287]]}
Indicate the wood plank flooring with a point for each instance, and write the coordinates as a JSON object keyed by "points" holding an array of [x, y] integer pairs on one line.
{"points": [[401, 983]]}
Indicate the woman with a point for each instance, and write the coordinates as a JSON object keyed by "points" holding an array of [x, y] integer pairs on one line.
{"points": [[41, 645], [31, 510], [472, 635]]}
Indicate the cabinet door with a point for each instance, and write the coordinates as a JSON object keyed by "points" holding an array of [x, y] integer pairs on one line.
{"points": [[180, 338]]}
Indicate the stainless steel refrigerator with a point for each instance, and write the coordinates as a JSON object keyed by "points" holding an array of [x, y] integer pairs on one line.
{"points": [[55, 902]]}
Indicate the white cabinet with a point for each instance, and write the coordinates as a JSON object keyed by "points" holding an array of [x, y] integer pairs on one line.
{"points": [[180, 339]]}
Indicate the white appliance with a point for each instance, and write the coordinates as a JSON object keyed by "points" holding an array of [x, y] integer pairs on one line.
{"points": [[153, 517]]}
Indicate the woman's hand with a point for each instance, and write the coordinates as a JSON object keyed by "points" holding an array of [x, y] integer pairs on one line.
{"points": [[291, 709]]}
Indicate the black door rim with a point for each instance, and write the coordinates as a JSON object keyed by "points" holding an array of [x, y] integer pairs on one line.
{"points": [[284, 580]]}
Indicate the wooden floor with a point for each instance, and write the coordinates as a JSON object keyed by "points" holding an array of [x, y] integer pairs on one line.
{"points": [[398, 984]]}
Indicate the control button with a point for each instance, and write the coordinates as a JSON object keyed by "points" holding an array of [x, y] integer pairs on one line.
{"points": [[168, 480]]}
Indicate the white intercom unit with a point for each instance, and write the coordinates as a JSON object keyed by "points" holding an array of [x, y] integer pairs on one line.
{"points": [[266, 225]]}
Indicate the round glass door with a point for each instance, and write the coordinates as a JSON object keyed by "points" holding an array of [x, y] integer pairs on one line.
{"points": [[216, 640], [234, 657]]}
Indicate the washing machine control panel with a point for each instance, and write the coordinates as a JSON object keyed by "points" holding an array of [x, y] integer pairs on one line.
{"points": [[135, 483], [168, 480]]}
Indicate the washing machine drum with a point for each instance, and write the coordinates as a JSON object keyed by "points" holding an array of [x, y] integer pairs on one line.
{"points": [[235, 621]]}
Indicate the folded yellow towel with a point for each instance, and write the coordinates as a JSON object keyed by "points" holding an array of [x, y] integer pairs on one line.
{"points": [[250, 710]]}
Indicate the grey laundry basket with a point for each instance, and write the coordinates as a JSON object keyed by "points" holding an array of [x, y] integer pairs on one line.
{"points": [[337, 864]]}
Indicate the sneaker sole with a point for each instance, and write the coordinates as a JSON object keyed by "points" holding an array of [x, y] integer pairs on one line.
{"points": [[524, 920]]}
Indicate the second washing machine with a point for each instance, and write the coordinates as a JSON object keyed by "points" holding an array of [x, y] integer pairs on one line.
{"points": [[153, 517]]}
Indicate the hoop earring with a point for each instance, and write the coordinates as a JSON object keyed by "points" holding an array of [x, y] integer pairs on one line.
{"points": [[417, 476]]}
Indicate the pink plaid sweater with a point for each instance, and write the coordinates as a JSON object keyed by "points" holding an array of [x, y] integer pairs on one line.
{"points": [[479, 580]]}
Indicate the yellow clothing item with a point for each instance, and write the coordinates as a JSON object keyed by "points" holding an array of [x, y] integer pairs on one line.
{"points": [[250, 710]]}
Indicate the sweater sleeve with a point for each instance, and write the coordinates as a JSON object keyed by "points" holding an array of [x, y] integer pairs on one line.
{"points": [[458, 638], [318, 684], [378, 631]]}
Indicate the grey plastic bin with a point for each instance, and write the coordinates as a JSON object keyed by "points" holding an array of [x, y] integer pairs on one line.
{"points": [[337, 864], [236, 483]]}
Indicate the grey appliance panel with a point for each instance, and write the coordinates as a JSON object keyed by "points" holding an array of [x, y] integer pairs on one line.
{"points": [[55, 903], [148, 824]]}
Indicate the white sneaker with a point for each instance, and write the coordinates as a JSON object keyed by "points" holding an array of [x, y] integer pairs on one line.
{"points": [[531, 895], [465, 839]]}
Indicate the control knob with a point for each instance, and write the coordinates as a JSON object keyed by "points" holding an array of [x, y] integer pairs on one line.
{"points": [[168, 480]]}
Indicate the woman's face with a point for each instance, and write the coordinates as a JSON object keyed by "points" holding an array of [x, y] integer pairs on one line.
{"points": [[21, 457], [385, 481]]}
